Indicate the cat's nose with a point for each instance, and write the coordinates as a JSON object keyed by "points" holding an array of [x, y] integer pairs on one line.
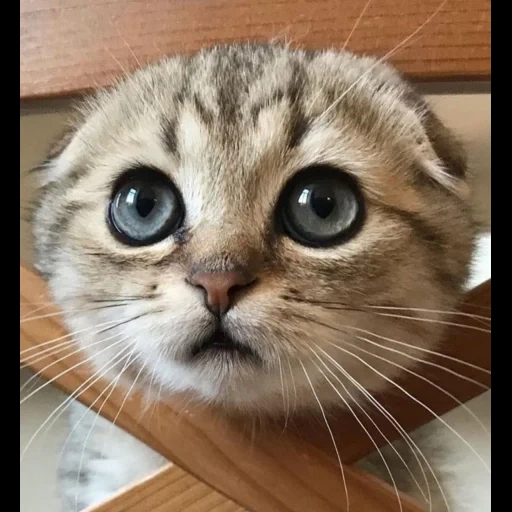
{"points": [[220, 288]]}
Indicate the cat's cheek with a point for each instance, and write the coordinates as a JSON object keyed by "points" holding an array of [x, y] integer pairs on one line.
{"points": [[67, 285]]}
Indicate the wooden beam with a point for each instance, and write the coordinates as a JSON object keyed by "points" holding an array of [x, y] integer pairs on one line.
{"points": [[168, 490], [72, 47], [295, 471]]}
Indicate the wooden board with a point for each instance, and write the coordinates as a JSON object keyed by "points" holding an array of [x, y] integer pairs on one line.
{"points": [[69, 47], [267, 471], [169, 490]]}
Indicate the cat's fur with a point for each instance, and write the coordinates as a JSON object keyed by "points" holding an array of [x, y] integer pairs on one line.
{"points": [[231, 126]]}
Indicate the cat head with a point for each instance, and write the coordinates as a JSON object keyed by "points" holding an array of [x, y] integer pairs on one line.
{"points": [[255, 221]]}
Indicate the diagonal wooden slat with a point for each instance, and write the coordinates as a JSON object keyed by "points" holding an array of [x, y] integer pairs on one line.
{"points": [[83, 44], [168, 490], [269, 472]]}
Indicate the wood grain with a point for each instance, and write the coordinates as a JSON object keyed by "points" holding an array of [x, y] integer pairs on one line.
{"points": [[169, 490], [265, 472], [69, 47]]}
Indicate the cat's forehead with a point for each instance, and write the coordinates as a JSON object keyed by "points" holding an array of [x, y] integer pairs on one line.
{"points": [[238, 100], [236, 117]]}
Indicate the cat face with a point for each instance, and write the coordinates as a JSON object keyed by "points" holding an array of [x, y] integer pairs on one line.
{"points": [[253, 223]]}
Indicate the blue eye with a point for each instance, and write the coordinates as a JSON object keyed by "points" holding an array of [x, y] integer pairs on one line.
{"points": [[321, 206], [145, 208]]}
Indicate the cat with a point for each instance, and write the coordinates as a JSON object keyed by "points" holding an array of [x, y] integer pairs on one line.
{"points": [[241, 210]]}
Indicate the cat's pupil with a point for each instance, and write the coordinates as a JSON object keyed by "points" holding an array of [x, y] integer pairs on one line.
{"points": [[322, 203], [145, 203]]}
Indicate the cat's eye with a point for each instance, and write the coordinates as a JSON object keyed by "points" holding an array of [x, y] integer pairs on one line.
{"points": [[145, 208], [321, 206]]}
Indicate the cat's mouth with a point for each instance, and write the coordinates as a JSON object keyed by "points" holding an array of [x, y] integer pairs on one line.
{"points": [[221, 344]]}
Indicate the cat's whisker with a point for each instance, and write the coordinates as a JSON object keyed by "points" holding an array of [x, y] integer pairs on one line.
{"points": [[32, 303], [363, 307], [415, 450], [103, 299], [342, 398], [110, 323], [294, 385], [95, 377], [434, 321], [427, 310], [111, 384], [117, 61], [421, 349], [94, 423], [48, 315], [428, 363], [356, 24], [123, 402], [84, 361], [149, 402], [361, 408], [419, 402], [40, 308], [286, 397], [386, 56], [330, 432], [412, 318], [44, 354], [158, 401], [125, 300], [411, 372], [130, 360], [51, 342], [126, 44], [425, 350], [73, 310]]}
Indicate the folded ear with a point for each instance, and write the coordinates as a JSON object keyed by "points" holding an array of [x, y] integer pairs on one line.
{"points": [[441, 155], [46, 171]]}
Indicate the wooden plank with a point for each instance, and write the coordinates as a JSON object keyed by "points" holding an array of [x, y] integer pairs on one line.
{"points": [[169, 490], [71, 47], [273, 473]]}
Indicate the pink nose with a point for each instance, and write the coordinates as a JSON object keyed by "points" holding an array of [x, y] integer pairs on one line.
{"points": [[220, 288]]}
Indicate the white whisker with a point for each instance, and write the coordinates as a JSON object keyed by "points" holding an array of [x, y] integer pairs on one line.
{"points": [[293, 383], [33, 311], [358, 421], [407, 438], [434, 321], [330, 433], [94, 423], [356, 24], [122, 405], [286, 402], [382, 59], [87, 384], [37, 347], [419, 402], [436, 311], [425, 350], [75, 426], [48, 382], [411, 372], [61, 312]]}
